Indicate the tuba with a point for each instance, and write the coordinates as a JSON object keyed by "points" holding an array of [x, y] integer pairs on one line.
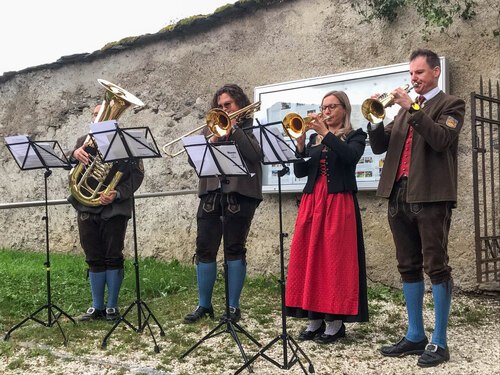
{"points": [[88, 182]]}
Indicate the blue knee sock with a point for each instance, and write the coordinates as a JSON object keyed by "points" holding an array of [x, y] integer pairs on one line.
{"points": [[441, 293], [206, 273], [114, 280], [414, 297], [237, 270], [97, 281]]}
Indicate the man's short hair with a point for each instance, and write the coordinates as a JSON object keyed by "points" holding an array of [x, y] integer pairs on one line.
{"points": [[431, 57]]}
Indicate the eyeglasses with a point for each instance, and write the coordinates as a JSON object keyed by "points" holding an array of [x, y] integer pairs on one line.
{"points": [[226, 104], [331, 107]]}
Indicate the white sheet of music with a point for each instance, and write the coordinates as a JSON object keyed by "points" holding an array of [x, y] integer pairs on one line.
{"points": [[103, 133], [276, 142], [48, 154], [140, 146], [200, 156], [19, 145], [229, 160], [227, 156], [25, 155]]}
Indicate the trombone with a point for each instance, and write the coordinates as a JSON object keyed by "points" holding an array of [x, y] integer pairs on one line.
{"points": [[374, 109], [295, 125], [219, 123]]}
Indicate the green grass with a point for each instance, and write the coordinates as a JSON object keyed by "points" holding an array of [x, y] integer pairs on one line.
{"points": [[169, 290], [24, 286]]}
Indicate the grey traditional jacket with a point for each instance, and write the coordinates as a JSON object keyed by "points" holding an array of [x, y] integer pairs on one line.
{"points": [[432, 174]]}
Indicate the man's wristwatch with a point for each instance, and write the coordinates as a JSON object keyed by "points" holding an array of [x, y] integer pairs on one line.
{"points": [[414, 108]]}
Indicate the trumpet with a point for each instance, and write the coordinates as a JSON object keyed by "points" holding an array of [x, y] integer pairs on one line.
{"points": [[219, 123], [374, 109], [295, 125]]}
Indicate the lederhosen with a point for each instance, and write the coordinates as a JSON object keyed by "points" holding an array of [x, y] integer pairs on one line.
{"points": [[102, 229], [238, 214]]}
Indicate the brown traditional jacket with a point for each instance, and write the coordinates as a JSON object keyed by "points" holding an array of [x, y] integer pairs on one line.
{"points": [[433, 165]]}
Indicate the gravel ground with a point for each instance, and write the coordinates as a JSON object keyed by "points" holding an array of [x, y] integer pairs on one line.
{"points": [[474, 349]]}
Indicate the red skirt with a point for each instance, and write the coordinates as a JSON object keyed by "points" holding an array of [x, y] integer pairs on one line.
{"points": [[323, 274]]}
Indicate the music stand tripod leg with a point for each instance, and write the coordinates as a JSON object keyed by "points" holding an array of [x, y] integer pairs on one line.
{"points": [[52, 318], [285, 338], [138, 302]]}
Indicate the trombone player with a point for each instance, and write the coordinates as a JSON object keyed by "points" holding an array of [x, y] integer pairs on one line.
{"points": [[242, 195]]}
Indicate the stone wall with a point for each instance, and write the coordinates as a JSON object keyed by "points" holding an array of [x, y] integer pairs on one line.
{"points": [[176, 72]]}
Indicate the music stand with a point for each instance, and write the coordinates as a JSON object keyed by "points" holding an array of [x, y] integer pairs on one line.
{"points": [[30, 155], [129, 144], [277, 151], [219, 160]]}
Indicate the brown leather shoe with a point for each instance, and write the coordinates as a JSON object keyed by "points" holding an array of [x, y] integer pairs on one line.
{"points": [[404, 347], [433, 355]]}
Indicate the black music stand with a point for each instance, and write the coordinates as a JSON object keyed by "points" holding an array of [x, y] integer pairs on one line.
{"points": [[37, 155], [219, 160], [129, 144], [277, 151]]}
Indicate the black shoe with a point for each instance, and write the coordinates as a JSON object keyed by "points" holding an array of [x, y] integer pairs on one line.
{"points": [[328, 339], [309, 335], [199, 313], [234, 314], [433, 356], [404, 347], [112, 314], [92, 314]]}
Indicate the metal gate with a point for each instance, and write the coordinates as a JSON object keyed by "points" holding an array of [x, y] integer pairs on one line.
{"points": [[485, 108]]}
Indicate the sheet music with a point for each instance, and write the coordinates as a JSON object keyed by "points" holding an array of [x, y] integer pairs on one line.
{"points": [[229, 159], [141, 147], [48, 154], [20, 148], [197, 151], [26, 157], [103, 133], [226, 155], [277, 143]]}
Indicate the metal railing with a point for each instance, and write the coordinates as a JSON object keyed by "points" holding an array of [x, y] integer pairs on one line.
{"points": [[485, 117], [56, 202]]}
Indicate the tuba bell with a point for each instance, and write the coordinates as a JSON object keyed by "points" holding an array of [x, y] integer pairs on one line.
{"points": [[88, 182]]}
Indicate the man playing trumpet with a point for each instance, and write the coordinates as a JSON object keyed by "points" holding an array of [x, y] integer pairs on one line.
{"points": [[420, 180]]}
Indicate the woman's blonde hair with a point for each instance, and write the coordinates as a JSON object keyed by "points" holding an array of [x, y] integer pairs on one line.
{"points": [[346, 123]]}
